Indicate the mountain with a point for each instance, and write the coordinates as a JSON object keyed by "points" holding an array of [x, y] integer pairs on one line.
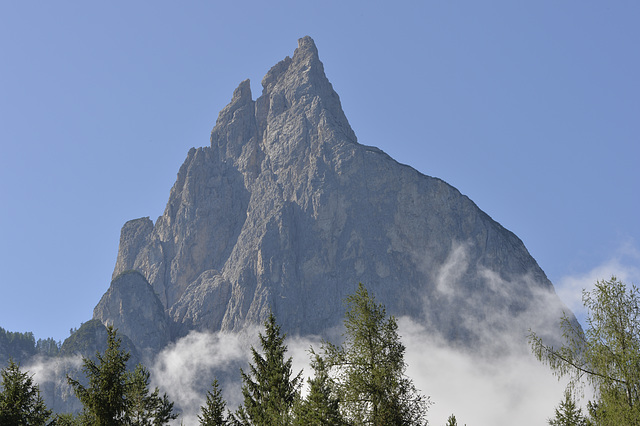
{"points": [[286, 211]]}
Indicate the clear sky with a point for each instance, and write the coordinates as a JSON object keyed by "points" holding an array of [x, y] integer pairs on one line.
{"points": [[532, 109]]}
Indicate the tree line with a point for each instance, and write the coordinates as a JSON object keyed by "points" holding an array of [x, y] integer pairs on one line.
{"points": [[360, 382], [22, 346]]}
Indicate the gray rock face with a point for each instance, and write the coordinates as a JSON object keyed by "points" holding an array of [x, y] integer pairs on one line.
{"points": [[286, 211], [131, 306]]}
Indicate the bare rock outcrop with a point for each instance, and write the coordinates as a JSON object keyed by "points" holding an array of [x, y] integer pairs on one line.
{"points": [[131, 306]]}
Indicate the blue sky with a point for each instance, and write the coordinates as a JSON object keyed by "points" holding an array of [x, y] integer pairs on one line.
{"points": [[532, 109]]}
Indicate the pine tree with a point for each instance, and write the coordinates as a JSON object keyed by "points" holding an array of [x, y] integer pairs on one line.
{"points": [[269, 391], [321, 406], [369, 368], [568, 413], [143, 408], [213, 412], [20, 400], [451, 421], [66, 420], [116, 397], [104, 399]]}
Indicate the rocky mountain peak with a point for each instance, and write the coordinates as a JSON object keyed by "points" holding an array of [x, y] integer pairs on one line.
{"points": [[306, 49], [286, 212], [304, 57]]}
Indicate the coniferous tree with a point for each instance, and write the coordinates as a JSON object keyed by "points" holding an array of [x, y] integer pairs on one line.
{"points": [[269, 390], [144, 408], [104, 399], [48, 347], [369, 368], [114, 396], [568, 413], [138, 398], [213, 412], [451, 421], [321, 406], [66, 419], [17, 346], [20, 400]]}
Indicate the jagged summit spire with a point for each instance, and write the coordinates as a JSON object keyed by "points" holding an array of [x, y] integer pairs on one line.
{"points": [[306, 48], [307, 52], [242, 92]]}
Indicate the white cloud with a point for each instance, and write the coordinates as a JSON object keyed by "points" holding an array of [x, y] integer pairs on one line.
{"points": [[497, 381], [479, 390], [50, 375], [453, 269], [623, 264], [49, 369], [186, 369]]}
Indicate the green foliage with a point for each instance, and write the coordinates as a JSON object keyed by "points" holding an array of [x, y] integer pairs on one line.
{"points": [[568, 413], [213, 412], [92, 337], [104, 399], [17, 346], [369, 369], [67, 420], [115, 397], [452, 421], [20, 400], [321, 405], [144, 408], [607, 355], [82, 340], [48, 347], [22, 346], [269, 391]]}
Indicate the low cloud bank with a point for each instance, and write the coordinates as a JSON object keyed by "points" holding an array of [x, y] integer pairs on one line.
{"points": [[494, 381], [186, 369], [50, 374], [479, 390], [503, 390]]}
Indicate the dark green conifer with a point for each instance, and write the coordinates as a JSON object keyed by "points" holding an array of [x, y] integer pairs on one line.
{"points": [[115, 397], [451, 421], [144, 408], [20, 400], [321, 406], [213, 412], [104, 399], [568, 413], [269, 390]]}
